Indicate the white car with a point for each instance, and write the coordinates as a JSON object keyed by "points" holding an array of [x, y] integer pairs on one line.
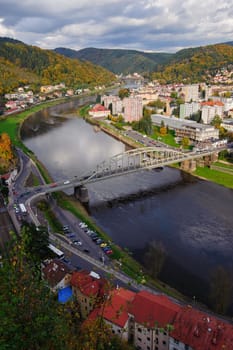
{"points": [[66, 182]]}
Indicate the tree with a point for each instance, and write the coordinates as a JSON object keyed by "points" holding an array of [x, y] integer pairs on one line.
{"points": [[216, 122], [155, 258], [123, 93], [185, 141], [30, 316], [34, 243], [221, 288]]}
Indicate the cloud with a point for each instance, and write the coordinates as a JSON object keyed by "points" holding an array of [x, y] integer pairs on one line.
{"points": [[142, 24]]}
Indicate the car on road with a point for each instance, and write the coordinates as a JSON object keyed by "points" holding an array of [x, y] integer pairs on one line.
{"points": [[86, 250], [53, 184], [77, 242], [66, 182]]}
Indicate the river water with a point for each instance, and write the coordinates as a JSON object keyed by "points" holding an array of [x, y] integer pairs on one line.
{"points": [[191, 218]]}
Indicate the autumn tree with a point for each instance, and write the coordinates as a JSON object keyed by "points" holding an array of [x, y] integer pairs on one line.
{"points": [[6, 152]]}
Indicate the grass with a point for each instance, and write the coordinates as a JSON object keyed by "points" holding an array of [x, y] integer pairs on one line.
{"points": [[218, 177], [11, 124], [169, 138], [224, 165]]}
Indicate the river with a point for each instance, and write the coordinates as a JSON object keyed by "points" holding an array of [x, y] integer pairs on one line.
{"points": [[191, 218]]}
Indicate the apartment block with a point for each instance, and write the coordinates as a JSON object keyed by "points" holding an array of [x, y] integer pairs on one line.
{"points": [[190, 92]]}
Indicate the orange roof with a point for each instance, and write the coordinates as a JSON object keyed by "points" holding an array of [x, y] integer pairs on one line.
{"points": [[201, 331], [212, 103], [151, 310]]}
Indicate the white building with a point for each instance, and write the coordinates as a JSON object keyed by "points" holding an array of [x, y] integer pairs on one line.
{"points": [[133, 109], [210, 109], [187, 109], [191, 92], [187, 128]]}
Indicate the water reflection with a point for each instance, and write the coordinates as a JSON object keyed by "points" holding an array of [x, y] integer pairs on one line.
{"points": [[191, 218]]}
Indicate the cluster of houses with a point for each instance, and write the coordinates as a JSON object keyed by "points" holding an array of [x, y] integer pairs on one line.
{"points": [[149, 321]]}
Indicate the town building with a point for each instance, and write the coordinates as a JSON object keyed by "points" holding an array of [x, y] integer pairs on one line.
{"points": [[187, 109], [115, 312], [56, 274], [190, 92], [228, 124], [88, 291], [210, 109], [152, 317], [99, 111], [133, 109], [195, 330], [187, 128]]}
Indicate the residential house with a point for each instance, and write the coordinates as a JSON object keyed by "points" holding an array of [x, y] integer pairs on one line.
{"points": [[88, 290], [151, 319], [57, 274], [115, 311], [99, 111], [195, 330]]}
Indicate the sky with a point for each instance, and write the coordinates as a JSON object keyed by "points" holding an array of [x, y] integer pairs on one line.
{"points": [[144, 25]]}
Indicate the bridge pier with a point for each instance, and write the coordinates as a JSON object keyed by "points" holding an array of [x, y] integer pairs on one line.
{"points": [[81, 193], [189, 165]]}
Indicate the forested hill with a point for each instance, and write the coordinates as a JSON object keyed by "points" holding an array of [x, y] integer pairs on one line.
{"points": [[119, 61], [196, 64], [22, 64], [192, 64]]}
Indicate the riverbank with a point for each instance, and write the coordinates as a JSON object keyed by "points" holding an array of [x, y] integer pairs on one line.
{"points": [[98, 135]]}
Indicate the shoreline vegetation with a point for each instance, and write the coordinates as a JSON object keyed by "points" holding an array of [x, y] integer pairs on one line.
{"points": [[122, 258]]}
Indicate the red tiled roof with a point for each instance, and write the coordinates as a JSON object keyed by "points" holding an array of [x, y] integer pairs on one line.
{"points": [[151, 310], [201, 331], [116, 309], [87, 284], [98, 108]]}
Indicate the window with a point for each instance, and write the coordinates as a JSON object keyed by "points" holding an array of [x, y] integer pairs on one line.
{"points": [[156, 340], [164, 333], [174, 348], [164, 342], [148, 347], [139, 339], [148, 338], [139, 330], [156, 348], [157, 332], [176, 341]]}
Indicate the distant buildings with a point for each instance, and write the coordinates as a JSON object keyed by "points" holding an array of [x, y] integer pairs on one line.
{"points": [[210, 109], [131, 108], [99, 111]]}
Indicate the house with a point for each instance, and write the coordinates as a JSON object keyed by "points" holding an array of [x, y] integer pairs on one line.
{"points": [[195, 330], [57, 274], [99, 111], [151, 319], [115, 311], [88, 291]]}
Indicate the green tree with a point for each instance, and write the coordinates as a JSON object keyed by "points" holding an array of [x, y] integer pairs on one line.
{"points": [[34, 241], [123, 93], [30, 316], [216, 122]]}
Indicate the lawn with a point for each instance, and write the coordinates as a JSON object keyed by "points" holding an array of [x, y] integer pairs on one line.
{"points": [[215, 176]]}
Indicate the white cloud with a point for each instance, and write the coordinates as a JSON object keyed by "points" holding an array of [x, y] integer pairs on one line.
{"points": [[142, 24]]}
